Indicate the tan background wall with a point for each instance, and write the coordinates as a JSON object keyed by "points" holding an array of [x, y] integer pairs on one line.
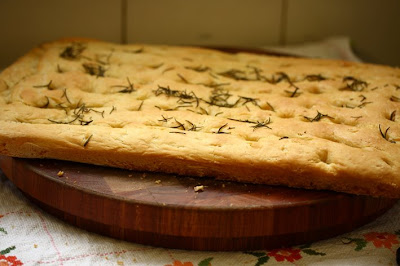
{"points": [[372, 25]]}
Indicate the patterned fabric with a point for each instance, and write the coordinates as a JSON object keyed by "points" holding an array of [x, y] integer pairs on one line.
{"points": [[29, 236]]}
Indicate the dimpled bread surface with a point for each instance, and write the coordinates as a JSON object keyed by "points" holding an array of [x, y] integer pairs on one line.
{"points": [[307, 123]]}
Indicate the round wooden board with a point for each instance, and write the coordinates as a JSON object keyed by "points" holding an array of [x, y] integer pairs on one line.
{"points": [[164, 210]]}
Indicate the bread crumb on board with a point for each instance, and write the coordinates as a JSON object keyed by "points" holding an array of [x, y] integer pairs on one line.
{"points": [[60, 173], [199, 188]]}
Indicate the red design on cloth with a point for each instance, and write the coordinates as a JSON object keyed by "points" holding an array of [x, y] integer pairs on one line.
{"points": [[289, 254], [382, 239], [9, 261], [178, 263]]}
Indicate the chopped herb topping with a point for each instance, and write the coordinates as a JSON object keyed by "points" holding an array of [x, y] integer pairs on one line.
{"points": [[318, 117], [140, 106], [315, 77], [94, 69], [271, 107], [220, 130], [165, 119], [87, 141], [47, 102], [385, 134], [393, 116], [294, 93], [395, 99], [235, 74], [198, 68], [113, 109], [127, 88], [65, 95], [73, 51], [180, 125], [49, 86], [353, 84], [193, 127], [182, 78]]}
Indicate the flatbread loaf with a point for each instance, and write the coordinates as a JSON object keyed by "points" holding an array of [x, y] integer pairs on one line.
{"points": [[308, 123]]}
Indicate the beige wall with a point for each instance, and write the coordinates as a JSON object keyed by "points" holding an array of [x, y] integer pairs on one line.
{"points": [[372, 25]]}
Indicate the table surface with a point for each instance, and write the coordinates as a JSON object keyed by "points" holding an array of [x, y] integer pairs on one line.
{"points": [[30, 236]]}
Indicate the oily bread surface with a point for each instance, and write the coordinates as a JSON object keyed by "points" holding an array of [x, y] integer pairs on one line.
{"points": [[309, 123]]}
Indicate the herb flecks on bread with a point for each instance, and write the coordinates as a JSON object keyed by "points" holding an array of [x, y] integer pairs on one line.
{"points": [[308, 123]]}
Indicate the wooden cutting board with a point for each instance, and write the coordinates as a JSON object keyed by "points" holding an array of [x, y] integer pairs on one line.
{"points": [[164, 210]]}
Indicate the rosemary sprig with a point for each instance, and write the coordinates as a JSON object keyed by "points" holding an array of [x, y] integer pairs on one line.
{"points": [[65, 108], [49, 86], [393, 116], [96, 111], [385, 134], [182, 78], [318, 117], [127, 89], [168, 69], [193, 127], [180, 125], [394, 99], [165, 119], [278, 77], [262, 124], [87, 140], [257, 72], [235, 74], [257, 123], [363, 98], [140, 106], [85, 122], [219, 97], [353, 84], [271, 107], [47, 103], [315, 77], [294, 93], [220, 130], [62, 122], [59, 70], [65, 95], [363, 104], [184, 96], [198, 68], [94, 69], [73, 51], [204, 111], [246, 100]]}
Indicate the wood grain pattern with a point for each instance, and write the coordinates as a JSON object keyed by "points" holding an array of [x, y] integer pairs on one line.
{"points": [[164, 210]]}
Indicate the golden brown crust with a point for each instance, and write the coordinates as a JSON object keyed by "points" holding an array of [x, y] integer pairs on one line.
{"points": [[308, 123]]}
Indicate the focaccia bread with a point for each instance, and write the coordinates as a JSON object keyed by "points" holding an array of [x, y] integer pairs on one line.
{"points": [[308, 123]]}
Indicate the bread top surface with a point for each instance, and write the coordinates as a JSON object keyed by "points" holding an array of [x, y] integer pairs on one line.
{"points": [[321, 122]]}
